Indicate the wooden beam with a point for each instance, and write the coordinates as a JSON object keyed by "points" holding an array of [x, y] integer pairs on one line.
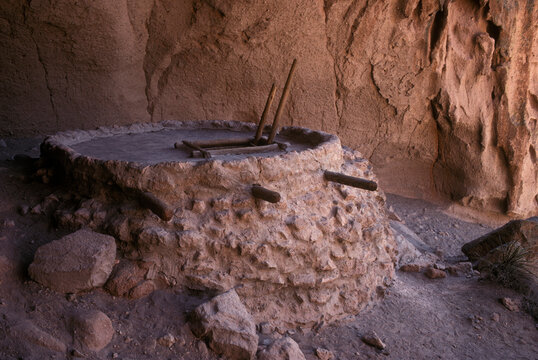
{"points": [[156, 205], [350, 180], [259, 192]]}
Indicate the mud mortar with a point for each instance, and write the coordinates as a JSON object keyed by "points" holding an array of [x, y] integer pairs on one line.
{"points": [[323, 252]]}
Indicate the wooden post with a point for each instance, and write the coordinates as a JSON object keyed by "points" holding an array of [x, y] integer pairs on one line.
{"points": [[157, 206], [282, 102], [259, 132], [259, 192], [350, 180]]}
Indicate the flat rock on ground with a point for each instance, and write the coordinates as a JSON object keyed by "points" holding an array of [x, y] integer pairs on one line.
{"points": [[79, 261]]}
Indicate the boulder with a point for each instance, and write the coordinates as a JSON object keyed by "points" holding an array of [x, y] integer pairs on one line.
{"points": [[227, 327], [93, 330], [523, 232], [79, 261], [282, 349]]}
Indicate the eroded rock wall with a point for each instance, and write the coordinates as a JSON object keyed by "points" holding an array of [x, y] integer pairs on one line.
{"points": [[441, 96]]}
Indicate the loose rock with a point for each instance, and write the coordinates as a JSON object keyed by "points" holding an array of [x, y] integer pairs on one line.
{"points": [[434, 273], [282, 349], [509, 303], [373, 339], [460, 269], [79, 261], [227, 326], [324, 354], [167, 340], [411, 268], [92, 330]]}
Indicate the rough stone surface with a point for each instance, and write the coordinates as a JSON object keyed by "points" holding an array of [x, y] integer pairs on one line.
{"points": [[323, 250], [400, 94], [282, 349], [92, 330], [78, 261], [27, 331], [226, 325]]}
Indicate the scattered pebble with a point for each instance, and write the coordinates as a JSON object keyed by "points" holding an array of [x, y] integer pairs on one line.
{"points": [[167, 340], [373, 339], [324, 354], [433, 273], [509, 303], [495, 317]]}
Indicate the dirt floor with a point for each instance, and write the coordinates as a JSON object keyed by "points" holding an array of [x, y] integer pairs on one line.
{"points": [[419, 318]]}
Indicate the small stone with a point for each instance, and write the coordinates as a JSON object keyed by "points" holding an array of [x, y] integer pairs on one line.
{"points": [[71, 297], [433, 273], [509, 303], [167, 340], [115, 355], [495, 317], [3, 143], [282, 349], [266, 328], [324, 354], [373, 339], [36, 210], [411, 268], [93, 330], [23, 209]]}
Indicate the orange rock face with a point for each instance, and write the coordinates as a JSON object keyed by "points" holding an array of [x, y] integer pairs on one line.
{"points": [[441, 96]]}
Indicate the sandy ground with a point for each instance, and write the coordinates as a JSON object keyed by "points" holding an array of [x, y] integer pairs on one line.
{"points": [[420, 318]]}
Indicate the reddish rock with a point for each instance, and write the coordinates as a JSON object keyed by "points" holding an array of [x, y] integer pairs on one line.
{"points": [[509, 303], [411, 268], [434, 273], [92, 330], [78, 261]]}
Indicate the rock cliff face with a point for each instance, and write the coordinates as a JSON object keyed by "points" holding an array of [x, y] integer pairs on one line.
{"points": [[441, 96]]}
